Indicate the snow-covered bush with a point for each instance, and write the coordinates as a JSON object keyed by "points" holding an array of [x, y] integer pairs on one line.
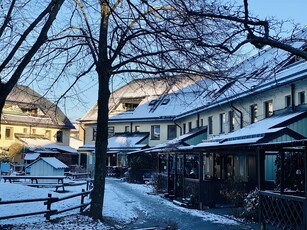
{"points": [[251, 204]]}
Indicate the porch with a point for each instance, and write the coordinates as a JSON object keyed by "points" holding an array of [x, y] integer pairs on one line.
{"points": [[284, 203]]}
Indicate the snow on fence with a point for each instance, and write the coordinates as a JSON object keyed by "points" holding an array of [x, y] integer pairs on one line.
{"points": [[48, 201]]}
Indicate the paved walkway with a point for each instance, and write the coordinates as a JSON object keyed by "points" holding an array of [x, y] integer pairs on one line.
{"points": [[158, 212]]}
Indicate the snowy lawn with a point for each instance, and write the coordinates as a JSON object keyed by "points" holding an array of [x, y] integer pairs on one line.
{"points": [[117, 208]]}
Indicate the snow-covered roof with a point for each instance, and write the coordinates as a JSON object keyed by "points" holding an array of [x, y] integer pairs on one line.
{"points": [[40, 142], [122, 141], [266, 70], [54, 162], [31, 156], [24, 96], [127, 141], [253, 133]]}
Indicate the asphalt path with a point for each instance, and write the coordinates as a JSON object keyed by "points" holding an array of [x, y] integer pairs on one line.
{"points": [[154, 211]]}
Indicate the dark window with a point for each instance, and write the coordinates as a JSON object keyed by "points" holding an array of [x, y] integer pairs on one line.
{"points": [[165, 101], [9, 133], [94, 133], [59, 136], [288, 100], [268, 108], [171, 132], [210, 125], [301, 97], [222, 122], [201, 122], [155, 132], [127, 129], [254, 111], [110, 131], [190, 126], [231, 121]]}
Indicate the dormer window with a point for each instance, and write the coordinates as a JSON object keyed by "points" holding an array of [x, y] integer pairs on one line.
{"points": [[165, 101], [153, 102]]}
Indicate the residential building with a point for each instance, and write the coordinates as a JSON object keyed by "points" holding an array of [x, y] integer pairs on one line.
{"points": [[32, 121], [257, 103]]}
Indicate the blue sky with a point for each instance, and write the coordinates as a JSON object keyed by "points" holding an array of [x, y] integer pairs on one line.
{"points": [[280, 9]]}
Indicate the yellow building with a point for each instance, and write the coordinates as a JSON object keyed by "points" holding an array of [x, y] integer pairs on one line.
{"points": [[28, 119]]}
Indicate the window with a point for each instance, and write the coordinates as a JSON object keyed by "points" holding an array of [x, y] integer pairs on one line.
{"points": [[25, 130], [59, 136], [184, 128], [165, 101], [254, 111], [171, 132], [190, 126], [222, 122], [231, 121], [301, 97], [94, 133], [288, 100], [201, 122], [155, 132], [268, 108], [137, 128], [127, 129], [9, 133], [210, 125], [110, 131], [48, 134], [33, 131]]}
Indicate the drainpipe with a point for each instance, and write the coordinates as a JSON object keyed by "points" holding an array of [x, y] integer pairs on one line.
{"points": [[178, 126], [241, 114], [293, 97], [198, 120], [131, 127]]}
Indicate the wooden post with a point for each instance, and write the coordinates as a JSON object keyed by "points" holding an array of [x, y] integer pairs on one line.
{"points": [[201, 179], [175, 174], [305, 183], [48, 206], [82, 201], [260, 165], [282, 171]]}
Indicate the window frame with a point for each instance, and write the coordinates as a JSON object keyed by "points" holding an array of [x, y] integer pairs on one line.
{"points": [[154, 134], [174, 131]]}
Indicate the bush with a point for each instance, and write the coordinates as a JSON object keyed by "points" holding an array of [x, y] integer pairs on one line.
{"points": [[251, 204], [233, 191]]}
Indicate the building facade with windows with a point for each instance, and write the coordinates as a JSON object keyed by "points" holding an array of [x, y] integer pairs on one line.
{"points": [[233, 111], [31, 120]]}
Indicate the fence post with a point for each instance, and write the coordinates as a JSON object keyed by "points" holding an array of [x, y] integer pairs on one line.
{"points": [[82, 200], [48, 206]]}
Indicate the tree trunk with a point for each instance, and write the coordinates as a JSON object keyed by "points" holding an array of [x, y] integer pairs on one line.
{"points": [[100, 149], [104, 74]]}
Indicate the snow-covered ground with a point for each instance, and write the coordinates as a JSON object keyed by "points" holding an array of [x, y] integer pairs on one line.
{"points": [[113, 208]]}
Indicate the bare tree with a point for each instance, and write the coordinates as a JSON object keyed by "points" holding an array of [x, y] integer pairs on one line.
{"points": [[23, 31], [129, 39]]}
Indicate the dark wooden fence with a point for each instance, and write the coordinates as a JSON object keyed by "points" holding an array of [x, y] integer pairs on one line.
{"points": [[48, 201], [282, 211]]}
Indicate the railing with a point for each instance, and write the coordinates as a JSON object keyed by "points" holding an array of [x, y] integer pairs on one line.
{"points": [[282, 211], [48, 201]]}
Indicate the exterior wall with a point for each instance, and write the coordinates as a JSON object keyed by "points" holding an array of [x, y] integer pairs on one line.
{"points": [[277, 95], [240, 108], [47, 132], [41, 168], [143, 127]]}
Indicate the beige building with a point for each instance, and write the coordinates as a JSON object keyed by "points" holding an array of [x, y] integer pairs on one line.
{"points": [[32, 121]]}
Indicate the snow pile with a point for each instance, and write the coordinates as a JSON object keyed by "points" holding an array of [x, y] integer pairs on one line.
{"points": [[121, 208]]}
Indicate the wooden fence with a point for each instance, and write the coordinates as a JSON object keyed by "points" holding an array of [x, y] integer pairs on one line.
{"points": [[48, 202]]}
